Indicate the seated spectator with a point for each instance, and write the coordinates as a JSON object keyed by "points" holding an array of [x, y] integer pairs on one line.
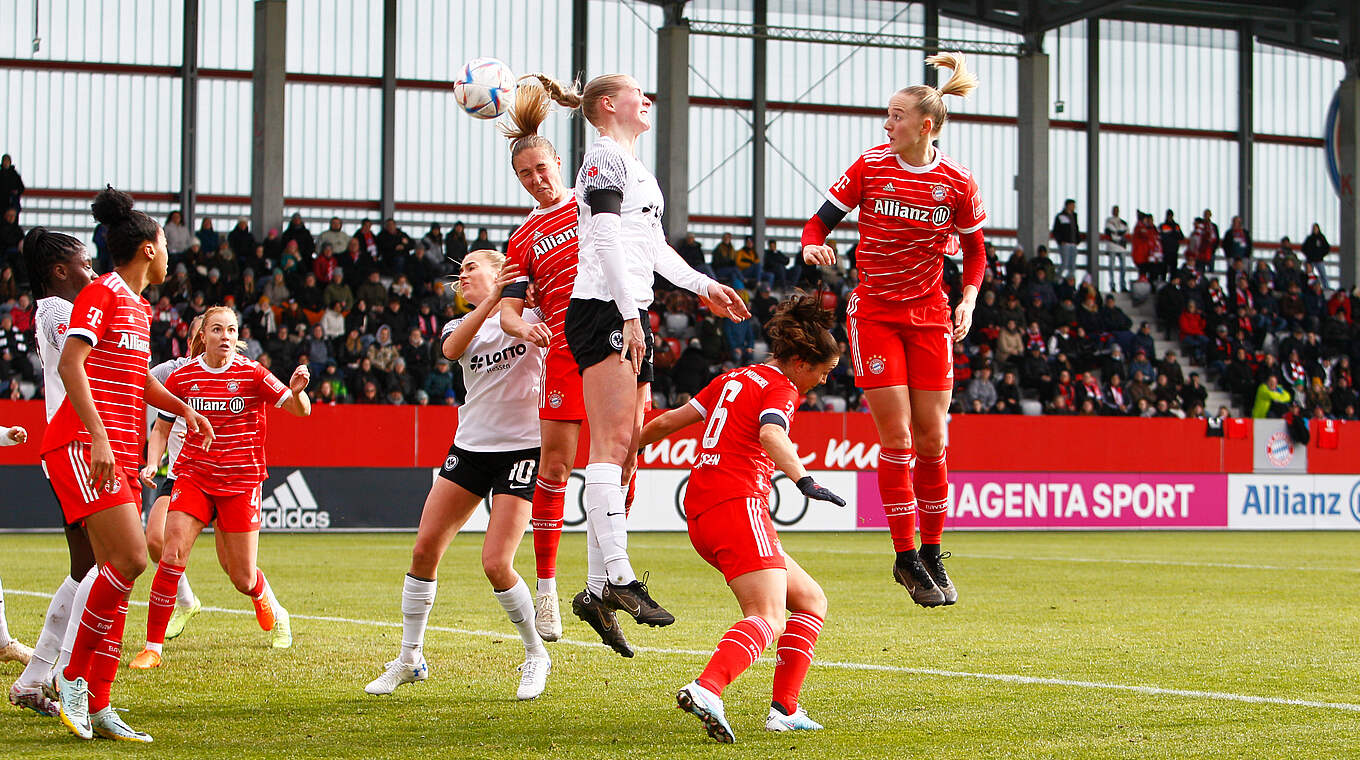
{"points": [[371, 291], [439, 383], [482, 242], [812, 403], [1192, 328], [776, 266], [981, 391], [724, 260], [1164, 410], [1193, 392], [1143, 408], [1115, 401], [383, 352]]}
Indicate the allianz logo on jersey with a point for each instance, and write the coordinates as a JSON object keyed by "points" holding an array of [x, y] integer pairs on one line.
{"points": [[235, 405], [292, 507], [133, 341], [497, 360], [545, 243], [889, 207]]}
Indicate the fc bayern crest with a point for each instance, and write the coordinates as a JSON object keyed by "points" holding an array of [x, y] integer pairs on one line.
{"points": [[939, 193], [876, 365], [1279, 449], [232, 385], [555, 399]]}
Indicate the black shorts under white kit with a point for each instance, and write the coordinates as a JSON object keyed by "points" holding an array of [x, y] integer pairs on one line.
{"points": [[594, 332], [487, 473], [166, 487]]}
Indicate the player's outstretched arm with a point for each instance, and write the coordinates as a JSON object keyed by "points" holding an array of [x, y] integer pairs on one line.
{"points": [[9, 436], [515, 325], [775, 440], [668, 423]]}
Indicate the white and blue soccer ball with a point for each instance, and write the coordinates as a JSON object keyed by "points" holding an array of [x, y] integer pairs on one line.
{"points": [[485, 88]]}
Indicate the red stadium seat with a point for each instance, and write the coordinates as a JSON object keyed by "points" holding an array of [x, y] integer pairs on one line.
{"points": [[654, 320]]}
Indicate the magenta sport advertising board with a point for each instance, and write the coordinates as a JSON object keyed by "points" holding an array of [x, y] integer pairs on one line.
{"points": [[1065, 500]]}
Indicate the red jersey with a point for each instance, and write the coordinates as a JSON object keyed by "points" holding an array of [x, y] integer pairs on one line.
{"points": [[544, 248], [233, 399], [117, 322], [909, 217], [732, 464]]}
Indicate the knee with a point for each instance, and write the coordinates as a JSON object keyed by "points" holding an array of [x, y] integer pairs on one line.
{"points": [[499, 571], [155, 545], [130, 566], [930, 444], [170, 553], [554, 470], [815, 602]]}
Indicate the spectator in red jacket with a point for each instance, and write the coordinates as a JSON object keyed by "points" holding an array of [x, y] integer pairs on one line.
{"points": [[1192, 330]]}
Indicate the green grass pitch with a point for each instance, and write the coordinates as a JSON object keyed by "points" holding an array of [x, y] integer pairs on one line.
{"points": [[1063, 645]]}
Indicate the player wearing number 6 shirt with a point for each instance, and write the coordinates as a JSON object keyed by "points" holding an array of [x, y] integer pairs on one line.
{"points": [[494, 457], [222, 487], [913, 201], [93, 446], [747, 413]]}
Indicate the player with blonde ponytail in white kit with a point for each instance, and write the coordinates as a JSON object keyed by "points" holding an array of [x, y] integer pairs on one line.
{"points": [[622, 243], [494, 457]]}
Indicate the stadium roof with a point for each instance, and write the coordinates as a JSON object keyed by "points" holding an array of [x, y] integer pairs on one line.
{"points": [[1328, 28]]}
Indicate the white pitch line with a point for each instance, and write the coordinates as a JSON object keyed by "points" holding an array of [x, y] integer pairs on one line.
{"points": [[999, 677]]}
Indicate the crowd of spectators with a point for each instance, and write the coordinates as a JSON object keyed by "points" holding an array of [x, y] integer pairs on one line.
{"points": [[363, 308]]}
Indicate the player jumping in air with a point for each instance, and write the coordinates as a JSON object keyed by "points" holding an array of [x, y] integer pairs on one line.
{"points": [[494, 457], [913, 199], [621, 244], [221, 487], [748, 412]]}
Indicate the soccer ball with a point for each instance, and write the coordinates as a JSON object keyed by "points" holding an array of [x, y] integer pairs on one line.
{"points": [[485, 88]]}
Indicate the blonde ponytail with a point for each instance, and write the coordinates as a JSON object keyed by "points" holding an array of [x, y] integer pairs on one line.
{"points": [[962, 82], [527, 114], [562, 94]]}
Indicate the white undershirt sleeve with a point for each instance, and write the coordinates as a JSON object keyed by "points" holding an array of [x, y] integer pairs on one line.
{"points": [[670, 265], [604, 232]]}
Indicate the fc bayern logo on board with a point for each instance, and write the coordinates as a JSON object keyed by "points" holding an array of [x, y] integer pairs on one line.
{"points": [[1279, 449], [876, 365], [555, 399], [616, 340], [939, 193]]}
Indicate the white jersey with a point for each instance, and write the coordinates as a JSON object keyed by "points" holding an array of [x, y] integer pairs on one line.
{"points": [[51, 320], [503, 375], [175, 442], [641, 245]]}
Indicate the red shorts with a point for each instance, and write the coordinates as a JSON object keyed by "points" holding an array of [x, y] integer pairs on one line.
{"points": [[737, 537], [561, 398], [68, 469], [901, 344], [234, 512]]}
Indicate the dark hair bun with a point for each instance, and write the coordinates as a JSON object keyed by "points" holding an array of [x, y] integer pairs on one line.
{"points": [[111, 207], [35, 237]]}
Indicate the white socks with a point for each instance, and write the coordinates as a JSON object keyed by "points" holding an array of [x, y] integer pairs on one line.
{"points": [[4, 626], [68, 641], [595, 575], [47, 649], [184, 596], [605, 516], [417, 597], [547, 586], [519, 605]]}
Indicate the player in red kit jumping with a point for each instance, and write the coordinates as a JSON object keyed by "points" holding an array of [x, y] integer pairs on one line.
{"points": [[913, 200], [92, 452], [222, 488], [748, 412]]}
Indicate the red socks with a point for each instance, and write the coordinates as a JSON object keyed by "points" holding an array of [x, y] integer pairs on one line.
{"points": [[737, 650], [162, 602], [632, 492], [932, 491], [793, 657], [547, 522], [895, 491], [104, 667]]}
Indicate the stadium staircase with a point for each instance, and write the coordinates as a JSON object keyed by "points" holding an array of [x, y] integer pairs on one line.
{"points": [[1146, 312]]}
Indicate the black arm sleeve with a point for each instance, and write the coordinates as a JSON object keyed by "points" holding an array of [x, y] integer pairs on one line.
{"points": [[516, 290], [830, 214], [770, 418], [605, 201]]}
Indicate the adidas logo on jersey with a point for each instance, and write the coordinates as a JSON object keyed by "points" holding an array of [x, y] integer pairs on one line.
{"points": [[889, 187], [292, 507]]}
